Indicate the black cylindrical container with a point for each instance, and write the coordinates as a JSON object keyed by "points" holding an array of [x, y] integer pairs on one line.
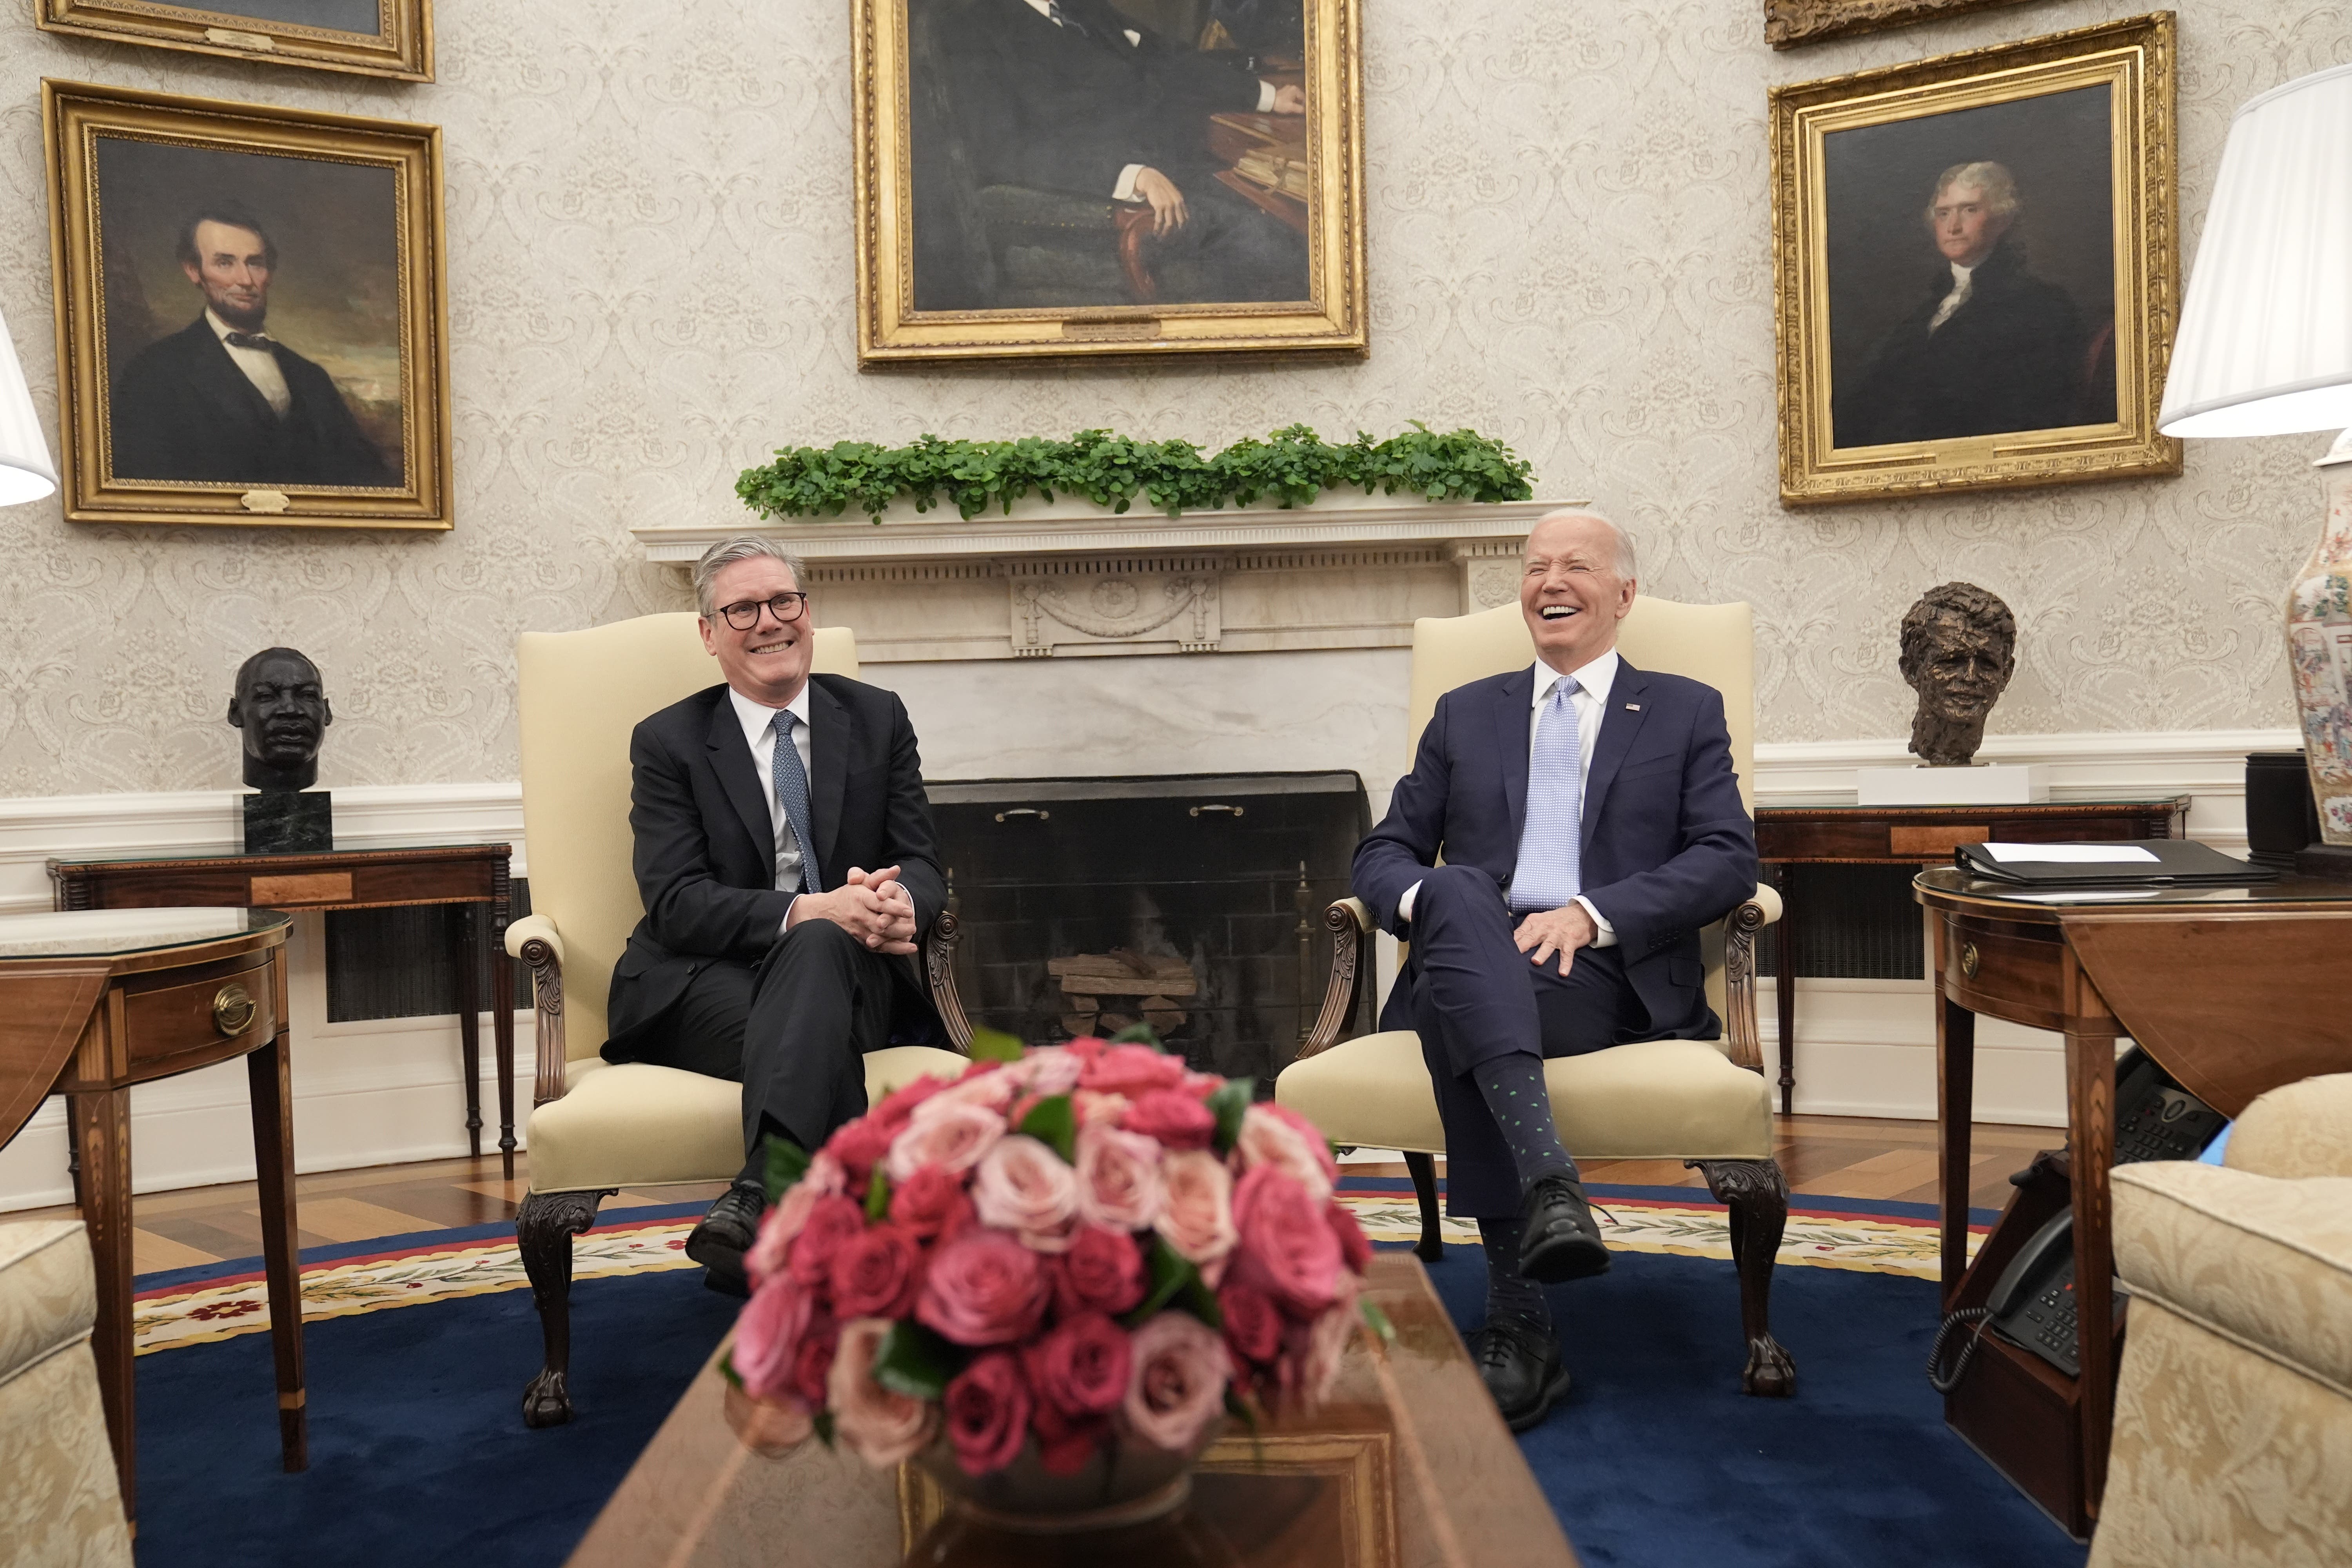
{"points": [[2280, 816]]}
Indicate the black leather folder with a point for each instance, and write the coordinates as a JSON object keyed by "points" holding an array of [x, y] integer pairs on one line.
{"points": [[2179, 862]]}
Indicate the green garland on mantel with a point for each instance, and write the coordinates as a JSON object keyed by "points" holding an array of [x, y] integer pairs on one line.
{"points": [[1293, 465]]}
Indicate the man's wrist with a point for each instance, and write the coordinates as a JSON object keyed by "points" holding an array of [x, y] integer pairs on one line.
{"points": [[1603, 933]]}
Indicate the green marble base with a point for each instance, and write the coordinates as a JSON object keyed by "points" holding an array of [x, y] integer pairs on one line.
{"points": [[289, 822]]}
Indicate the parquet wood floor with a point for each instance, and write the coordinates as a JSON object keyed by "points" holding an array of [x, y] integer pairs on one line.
{"points": [[1829, 1156]]}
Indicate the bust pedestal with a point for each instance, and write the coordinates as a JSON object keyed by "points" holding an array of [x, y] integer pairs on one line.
{"points": [[289, 822], [1978, 783]]}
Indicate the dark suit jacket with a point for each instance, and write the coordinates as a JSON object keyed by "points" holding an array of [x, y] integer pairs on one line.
{"points": [[2010, 358], [182, 410], [705, 849], [1667, 847]]}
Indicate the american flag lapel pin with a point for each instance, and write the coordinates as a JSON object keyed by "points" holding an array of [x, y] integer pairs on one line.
{"points": [[1633, 708]]}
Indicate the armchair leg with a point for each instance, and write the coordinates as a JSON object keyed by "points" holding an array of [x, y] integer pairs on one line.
{"points": [[1432, 1246], [543, 1232], [1757, 1194]]}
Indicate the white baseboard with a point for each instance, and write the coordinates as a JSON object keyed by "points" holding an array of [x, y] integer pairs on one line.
{"points": [[1867, 1048]]}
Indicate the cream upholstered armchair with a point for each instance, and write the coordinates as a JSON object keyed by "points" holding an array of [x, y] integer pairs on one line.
{"points": [[1705, 1103], [2233, 1410], [597, 1127], [61, 1501]]}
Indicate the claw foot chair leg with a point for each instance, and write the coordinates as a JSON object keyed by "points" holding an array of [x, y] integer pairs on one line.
{"points": [[1423, 1168], [1757, 1194], [543, 1233]]}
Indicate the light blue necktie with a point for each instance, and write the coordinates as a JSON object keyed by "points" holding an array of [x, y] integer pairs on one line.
{"points": [[1547, 876], [792, 789]]}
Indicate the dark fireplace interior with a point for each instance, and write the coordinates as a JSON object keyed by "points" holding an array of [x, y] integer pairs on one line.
{"points": [[1194, 902]]}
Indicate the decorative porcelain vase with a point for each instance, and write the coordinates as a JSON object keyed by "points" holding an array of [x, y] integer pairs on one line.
{"points": [[2319, 653]]}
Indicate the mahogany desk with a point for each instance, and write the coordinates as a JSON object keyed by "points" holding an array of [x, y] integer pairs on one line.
{"points": [[1831, 829], [93, 1003], [2234, 991], [470, 877]]}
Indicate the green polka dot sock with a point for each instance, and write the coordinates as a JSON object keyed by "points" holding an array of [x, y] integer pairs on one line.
{"points": [[1513, 1088]]}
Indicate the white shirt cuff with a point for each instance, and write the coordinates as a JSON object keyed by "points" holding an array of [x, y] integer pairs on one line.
{"points": [[1125, 190], [1608, 937], [792, 912], [1405, 905], [1265, 98]]}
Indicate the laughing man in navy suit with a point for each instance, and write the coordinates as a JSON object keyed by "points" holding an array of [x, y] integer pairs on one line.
{"points": [[1590, 823]]}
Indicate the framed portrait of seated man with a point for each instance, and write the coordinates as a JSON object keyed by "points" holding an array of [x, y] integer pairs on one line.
{"points": [[1976, 268], [251, 324], [373, 38], [1081, 178]]}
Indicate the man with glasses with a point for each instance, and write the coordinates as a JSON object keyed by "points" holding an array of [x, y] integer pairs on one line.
{"points": [[788, 865]]}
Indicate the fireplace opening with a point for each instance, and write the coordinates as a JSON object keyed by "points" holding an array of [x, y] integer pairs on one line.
{"points": [[1192, 903]]}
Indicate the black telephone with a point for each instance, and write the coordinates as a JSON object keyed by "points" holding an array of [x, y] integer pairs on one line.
{"points": [[2156, 1119], [2032, 1304]]}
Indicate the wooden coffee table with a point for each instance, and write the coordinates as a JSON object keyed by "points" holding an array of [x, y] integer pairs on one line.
{"points": [[1410, 1464]]}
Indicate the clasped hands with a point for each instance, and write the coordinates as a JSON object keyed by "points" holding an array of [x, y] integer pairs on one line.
{"points": [[1560, 930], [872, 906]]}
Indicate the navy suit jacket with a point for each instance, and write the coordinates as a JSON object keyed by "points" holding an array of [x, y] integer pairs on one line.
{"points": [[1667, 846]]}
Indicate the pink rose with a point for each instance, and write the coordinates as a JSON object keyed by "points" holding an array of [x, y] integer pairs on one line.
{"points": [[1196, 1211], [1080, 1368], [1119, 1178], [950, 1134], [1252, 1322], [1177, 1120], [931, 1202], [1133, 1070], [987, 1410], [1101, 1272], [812, 1366], [876, 1273], [1022, 1186], [1049, 1070], [984, 1084], [879, 1426], [1087, 1048], [1328, 1339], [1177, 1385], [1091, 1106], [789, 1216], [1273, 1136], [1287, 1249], [860, 1146], [898, 1106], [768, 1333], [983, 1289], [832, 1222], [1355, 1247]]}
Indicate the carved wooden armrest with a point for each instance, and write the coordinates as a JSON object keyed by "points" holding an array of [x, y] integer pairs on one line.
{"points": [[535, 941], [1740, 929], [1349, 921], [938, 973]]}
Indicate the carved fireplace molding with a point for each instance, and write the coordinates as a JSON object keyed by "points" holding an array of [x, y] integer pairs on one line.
{"points": [[1068, 580]]}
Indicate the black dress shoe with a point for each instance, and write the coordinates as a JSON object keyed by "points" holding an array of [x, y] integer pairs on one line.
{"points": [[1560, 1239], [726, 1234], [1521, 1368]]}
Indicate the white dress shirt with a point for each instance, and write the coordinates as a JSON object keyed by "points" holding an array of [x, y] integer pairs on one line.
{"points": [[1962, 288], [759, 722], [1590, 699], [260, 366]]}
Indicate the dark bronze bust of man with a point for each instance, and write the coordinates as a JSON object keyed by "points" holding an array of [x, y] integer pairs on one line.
{"points": [[281, 708], [1959, 648]]}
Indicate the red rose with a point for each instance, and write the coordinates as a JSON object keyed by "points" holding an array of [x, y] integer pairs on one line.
{"points": [[931, 1202], [813, 1362], [1133, 1070], [832, 1223], [1287, 1249], [1080, 1368], [1252, 1322], [876, 1273], [860, 1145], [1173, 1117], [987, 1409], [1355, 1248], [1102, 1271], [1064, 1443], [768, 1336], [984, 1288], [898, 1105]]}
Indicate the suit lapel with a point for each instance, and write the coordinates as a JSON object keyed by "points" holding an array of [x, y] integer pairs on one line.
{"points": [[1621, 720], [829, 762], [228, 381], [1512, 720], [731, 759]]}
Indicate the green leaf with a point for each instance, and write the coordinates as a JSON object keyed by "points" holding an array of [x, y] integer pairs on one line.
{"points": [[1376, 1320], [917, 1363], [787, 1163], [878, 1195], [994, 1045], [1137, 1034], [1170, 1275], [1201, 1302], [822, 1422], [1053, 1122], [726, 1369], [1230, 1098]]}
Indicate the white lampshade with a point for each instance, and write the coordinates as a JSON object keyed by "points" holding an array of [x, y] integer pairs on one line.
{"points": [[24, 470], [2266, 344]]}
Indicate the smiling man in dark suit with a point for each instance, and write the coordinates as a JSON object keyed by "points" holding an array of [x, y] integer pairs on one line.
{"points": [[1590, 823], [787, 862], [222, 401]]}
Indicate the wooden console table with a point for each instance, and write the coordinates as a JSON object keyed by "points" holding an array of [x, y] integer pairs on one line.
{"points": [[470, 877], [2234, 991], [1832, 830], [93, 1003]]}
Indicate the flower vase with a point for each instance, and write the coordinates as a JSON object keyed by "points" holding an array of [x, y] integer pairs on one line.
{"points": [[1129, 1494], [2319, 654]]}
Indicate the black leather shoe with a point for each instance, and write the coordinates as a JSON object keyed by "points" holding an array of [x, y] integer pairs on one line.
{"points": [[726, 1234], [1521, 1368], [1561, 1240]]}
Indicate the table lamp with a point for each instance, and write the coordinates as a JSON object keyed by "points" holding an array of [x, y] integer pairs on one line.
{"points": [[24, 470], [2265, 349]]}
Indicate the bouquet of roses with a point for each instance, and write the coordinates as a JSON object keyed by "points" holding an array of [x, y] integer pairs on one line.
{"points": [[1082, 1244]]}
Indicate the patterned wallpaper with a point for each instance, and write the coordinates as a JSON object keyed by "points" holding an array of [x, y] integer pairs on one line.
{"points": [[650, 285]]}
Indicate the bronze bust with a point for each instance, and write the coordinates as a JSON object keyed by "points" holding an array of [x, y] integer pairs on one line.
{"points": [[1959, 648], [282, 708]]}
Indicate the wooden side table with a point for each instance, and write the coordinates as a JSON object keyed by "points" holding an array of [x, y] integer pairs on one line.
{"points": [[95, 1002], [472, 879], [1832, 830]]}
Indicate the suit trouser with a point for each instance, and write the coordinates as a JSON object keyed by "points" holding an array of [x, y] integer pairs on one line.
{"points": [[793, 1029], [1477, 997]]}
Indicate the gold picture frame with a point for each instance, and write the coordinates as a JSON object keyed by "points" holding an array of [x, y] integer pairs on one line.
{"points": [[984, 231], [251, 313], [1910, 363], [399, 45], [1788, 23]]}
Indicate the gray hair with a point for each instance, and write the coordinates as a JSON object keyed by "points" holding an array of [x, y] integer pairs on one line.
{"points": [[1993, 179], [1624, 562], [741, 547]]}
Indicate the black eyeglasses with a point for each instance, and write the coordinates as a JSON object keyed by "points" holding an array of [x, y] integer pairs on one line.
{"points": [[744, 614]]}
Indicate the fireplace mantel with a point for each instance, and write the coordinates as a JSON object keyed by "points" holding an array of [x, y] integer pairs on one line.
{"points": [[1067, 579]]}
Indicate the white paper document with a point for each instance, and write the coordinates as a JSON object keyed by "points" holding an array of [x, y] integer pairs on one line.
{"points": [[2072, 854]]}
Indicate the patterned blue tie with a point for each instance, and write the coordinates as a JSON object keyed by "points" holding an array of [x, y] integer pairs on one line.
{"points": [[792, 789], [1547, 876]]}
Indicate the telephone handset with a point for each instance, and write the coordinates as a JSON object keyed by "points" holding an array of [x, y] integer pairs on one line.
{"points": [[2031, 1306]]}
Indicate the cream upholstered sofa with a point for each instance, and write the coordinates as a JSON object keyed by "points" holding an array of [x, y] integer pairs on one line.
{"points": [[597, 1127], [60, 1502], [2233, 1413], [1704, 1102]]}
